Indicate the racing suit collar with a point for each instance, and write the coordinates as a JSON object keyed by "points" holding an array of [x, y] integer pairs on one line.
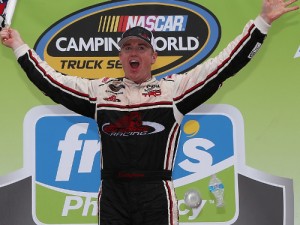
{"points": [[145, 83]]}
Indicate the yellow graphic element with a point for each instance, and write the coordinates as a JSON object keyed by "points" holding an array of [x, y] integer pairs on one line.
{"points": [[108, 23], [191, 127], [97, 67]]}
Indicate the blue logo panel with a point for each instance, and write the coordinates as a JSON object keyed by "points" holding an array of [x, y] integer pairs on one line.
{"points": [[210, 136], [68, 153]]}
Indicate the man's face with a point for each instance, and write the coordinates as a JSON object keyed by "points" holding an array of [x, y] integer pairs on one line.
{"points": [[137, 57]]}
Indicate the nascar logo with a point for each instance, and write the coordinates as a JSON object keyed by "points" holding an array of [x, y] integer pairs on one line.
{"points": [[151, 22]]}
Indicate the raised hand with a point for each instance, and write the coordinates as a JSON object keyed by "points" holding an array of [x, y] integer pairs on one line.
{"points": [[273, 9], [10, 38]]}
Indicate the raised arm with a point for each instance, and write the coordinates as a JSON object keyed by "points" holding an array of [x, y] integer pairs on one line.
{"points": [[200, 83], [75, 93]]}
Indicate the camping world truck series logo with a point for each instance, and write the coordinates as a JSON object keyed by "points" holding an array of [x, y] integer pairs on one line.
{"points": [[85, 42]]}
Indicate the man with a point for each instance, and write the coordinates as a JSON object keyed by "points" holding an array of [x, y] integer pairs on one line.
{"points": [[139, 117]]}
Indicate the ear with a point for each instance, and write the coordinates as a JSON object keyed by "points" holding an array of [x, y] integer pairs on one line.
{"points": [[154, 57], [120, 58]]}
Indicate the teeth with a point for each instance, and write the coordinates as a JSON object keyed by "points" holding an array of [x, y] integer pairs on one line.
{"points": [[134, 63]]}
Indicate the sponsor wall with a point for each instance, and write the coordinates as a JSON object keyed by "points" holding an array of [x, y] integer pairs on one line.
{"points": [[260, 103]]}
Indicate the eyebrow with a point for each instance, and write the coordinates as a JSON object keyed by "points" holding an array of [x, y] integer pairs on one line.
{"points": [[140, 44]]}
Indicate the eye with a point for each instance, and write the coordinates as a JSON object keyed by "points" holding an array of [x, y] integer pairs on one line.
{"points": [[142, 48], [127, 48]]}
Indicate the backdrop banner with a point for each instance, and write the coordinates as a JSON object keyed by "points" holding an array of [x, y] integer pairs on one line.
{"points": [[253, 118]]}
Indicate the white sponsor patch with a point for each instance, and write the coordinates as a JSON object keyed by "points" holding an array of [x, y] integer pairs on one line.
{"points": [[297, 55]]}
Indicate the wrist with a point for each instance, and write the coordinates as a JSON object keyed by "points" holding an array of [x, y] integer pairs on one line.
{"points": [[266, 18], [21, 50], [17, 44], [262, 24]]}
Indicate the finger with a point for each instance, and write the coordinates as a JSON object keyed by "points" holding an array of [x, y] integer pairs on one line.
{"points": [[4, 36], [292, 8], [3, 40], [4, 31], [287, 3]]}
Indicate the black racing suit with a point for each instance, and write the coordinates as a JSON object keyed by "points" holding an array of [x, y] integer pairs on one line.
{"points": [[139, 125]]}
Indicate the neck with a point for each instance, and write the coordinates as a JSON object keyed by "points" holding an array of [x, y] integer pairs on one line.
{"points": [[141, 80]]}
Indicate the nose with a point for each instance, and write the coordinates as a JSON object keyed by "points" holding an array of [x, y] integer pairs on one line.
{"points": [[134, 51]]}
